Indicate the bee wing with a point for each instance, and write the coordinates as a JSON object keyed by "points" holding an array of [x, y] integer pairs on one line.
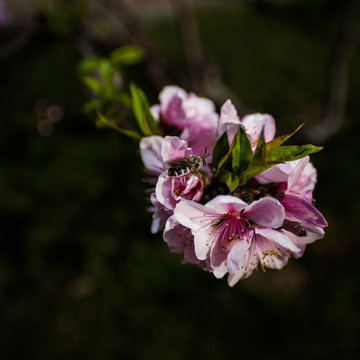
{"points": [[178, 163]]}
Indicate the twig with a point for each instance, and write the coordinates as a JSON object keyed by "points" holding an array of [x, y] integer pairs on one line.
{"points": [[205, 76], [137, 31]]}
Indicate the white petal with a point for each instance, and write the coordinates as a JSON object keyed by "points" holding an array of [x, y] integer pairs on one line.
{"points": [[193, 215], [150, 149], [278, 237], [236, 254], [223, 204], [202, 243]]}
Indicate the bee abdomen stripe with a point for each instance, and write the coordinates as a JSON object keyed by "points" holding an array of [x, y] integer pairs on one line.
{"points": [[179, 172]]}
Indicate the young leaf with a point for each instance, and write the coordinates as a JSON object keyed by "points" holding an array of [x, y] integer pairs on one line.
{"points": [[153, 125], [89, 65], [257, 164], [109, 123], [92, 83], [281, 139], [252, 171], [226, 177], [224, 163], [241, 152], [260, 151], [123, 98], [127, 55], [220, 149], [92, 105], [106, 71], [234, 182], [140, 106], [289, 153]]}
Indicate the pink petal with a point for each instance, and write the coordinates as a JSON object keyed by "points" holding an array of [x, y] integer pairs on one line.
{"points": [[163, 191], [303, 178], [169, 92], [150, 148], [236, 254], [160, 215], [299, 209], [180, 239], [278, 173], [229, 120], [193, 215], [313, 233], [202, 242], [247, 265], [195, 106], [228, 115], [199, 139], [271, 256], [267, 212], [295, 176], [223, 204], [155, 111], [255, 123], [220, 270], [174, 114], [278, 237], [174, 148]]}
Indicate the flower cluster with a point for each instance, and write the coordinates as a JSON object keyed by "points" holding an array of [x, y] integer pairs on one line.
{"points": [[247, 203]]}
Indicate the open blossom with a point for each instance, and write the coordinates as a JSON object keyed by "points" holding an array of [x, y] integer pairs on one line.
{"points": [[236, 236], [182, 110], [181, 240], [299, 175], [194, 116], [304, 223], [156, 152], [253, 124]]}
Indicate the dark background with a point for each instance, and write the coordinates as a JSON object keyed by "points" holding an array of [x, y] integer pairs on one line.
{"points": [[81, 277]]}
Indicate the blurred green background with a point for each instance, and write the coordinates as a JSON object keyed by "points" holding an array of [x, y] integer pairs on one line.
{"points": [[81, 277]]}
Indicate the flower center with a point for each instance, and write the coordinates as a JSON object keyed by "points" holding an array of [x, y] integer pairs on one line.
{"points": [[189, 187], [232, 226]]}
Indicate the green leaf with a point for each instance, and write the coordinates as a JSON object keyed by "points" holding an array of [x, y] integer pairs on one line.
{"points": [[289, 153], [106, 71], [123, 98], [127, 55], [140, 105], [258, 163], [109, 123], [95, 104], [220, 149], [241, 152], [93, 84], [150, 121], [234, 182], [226, 177], [89, 65], [281, 139], [260, 151], [230, 179], [224, 163]]}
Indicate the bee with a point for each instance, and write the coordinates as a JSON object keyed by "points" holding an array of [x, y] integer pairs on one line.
{"points": [[182, 167], [295, 228]]}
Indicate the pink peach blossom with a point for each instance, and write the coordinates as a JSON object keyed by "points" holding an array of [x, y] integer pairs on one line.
{"points": [[253, 124], [182, 110], [181, 240], [235, 236], [195, 117], [156, 152]]}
